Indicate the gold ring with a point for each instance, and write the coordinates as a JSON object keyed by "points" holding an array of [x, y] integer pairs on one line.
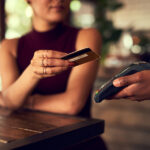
{"points": [[46, 63], [42, 62], [44, 70]]}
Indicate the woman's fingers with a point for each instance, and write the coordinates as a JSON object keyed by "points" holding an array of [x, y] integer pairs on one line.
{"points": [[127, 80], [46, 62], [48, 54]]}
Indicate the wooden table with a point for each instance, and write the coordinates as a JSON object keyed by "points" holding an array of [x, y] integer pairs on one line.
{"points": [[29, 129]]}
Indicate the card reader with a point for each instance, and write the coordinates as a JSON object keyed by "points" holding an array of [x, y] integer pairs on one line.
{"points": [[108, 89]]}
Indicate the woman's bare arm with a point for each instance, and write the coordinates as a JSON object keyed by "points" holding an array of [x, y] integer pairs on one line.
{"points": [[79, 84], [15, 87]]}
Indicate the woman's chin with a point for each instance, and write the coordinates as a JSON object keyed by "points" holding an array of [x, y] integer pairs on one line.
{"points": [[56, 20]]}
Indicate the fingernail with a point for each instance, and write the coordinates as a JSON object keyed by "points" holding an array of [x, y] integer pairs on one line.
{"points": [[71, 64], [116, 83]]}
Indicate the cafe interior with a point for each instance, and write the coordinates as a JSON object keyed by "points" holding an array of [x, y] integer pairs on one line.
{"points": [[124, 26]]}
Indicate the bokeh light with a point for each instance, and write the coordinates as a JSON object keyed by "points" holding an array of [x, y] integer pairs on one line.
{"points": [[18, 20], [75, 5], [128, 41], [136, 49], [86, 20], [29, 12]]}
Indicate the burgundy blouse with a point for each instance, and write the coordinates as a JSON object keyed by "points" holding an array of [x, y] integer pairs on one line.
{"points": [[63, 39]]}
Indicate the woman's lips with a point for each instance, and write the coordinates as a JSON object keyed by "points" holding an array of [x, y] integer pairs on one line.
{"points": [[57, 7]]}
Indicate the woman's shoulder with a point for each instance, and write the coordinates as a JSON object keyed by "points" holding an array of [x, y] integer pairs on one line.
{"points": [[89, 37], [9, 46], [90, 32], [7, 42]]}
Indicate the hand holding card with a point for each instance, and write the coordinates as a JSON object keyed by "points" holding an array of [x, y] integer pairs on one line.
{"points": [[81, 56]]}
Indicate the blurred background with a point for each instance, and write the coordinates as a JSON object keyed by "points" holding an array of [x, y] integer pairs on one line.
{"points": [[125, 29]]}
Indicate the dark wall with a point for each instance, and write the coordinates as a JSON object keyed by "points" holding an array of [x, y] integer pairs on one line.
{"points": [[2, 19]]}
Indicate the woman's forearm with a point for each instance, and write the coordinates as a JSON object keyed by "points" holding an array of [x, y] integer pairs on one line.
{"points": [[74, 98], [45, 63], [15, 95], [62, 103]]}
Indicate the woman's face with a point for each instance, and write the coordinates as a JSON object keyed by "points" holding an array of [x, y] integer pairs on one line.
{"points": [[50, 10]]}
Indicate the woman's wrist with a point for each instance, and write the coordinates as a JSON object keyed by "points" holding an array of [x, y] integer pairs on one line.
{"points": [[33, 75]]}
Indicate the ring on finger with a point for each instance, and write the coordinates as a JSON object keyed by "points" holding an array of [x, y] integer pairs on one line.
{"points": [[44, 70], [42, 62], [46, 63]]}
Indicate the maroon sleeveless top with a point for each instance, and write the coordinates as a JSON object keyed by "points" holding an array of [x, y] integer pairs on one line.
{"points": [[63, 39]]}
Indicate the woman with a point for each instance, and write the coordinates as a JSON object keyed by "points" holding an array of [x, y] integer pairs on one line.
{"points": [[34, 76]]}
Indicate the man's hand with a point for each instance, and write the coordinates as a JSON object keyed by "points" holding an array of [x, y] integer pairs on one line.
{"points": [[138, 86]]}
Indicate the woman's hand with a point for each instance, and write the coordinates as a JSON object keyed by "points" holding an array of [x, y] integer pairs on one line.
{"points": [[138, 86], [47, 63]]}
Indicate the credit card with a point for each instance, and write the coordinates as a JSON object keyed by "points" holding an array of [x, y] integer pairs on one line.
{"points": [[81, 56]]}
